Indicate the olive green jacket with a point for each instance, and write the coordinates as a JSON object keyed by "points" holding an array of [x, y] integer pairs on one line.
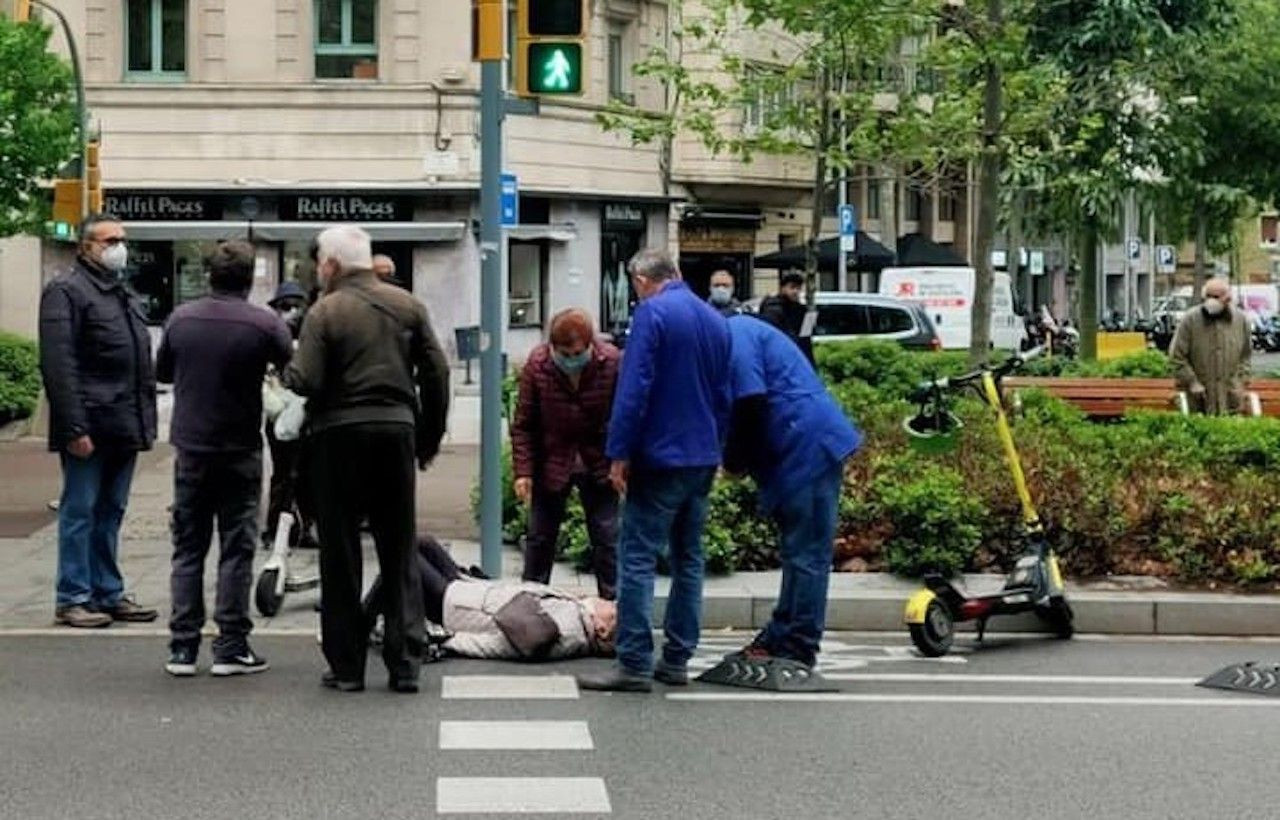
{"points": [[1213, 353]]}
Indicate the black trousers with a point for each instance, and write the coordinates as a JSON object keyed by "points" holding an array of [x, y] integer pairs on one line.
{"points": [[367, 471], [290, 491], [225, 487], [435, 568], [599, 506]]}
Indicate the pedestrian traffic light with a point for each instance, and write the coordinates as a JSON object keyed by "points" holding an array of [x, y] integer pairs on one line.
{"points": [[66, 201], [550, 47]]}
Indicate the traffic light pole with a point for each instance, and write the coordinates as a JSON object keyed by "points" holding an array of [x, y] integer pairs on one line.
{"points": [[82, 108], [491, 113]]}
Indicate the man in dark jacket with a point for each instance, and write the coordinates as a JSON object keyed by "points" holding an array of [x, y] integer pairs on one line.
{"points": [[215, 352], [786, 312], [371, 368], [665, 433], [557, 443], [95, 356]]}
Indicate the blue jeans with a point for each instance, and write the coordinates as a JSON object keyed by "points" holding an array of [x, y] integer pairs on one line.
{"points": [[95, 491], [807, 525], [663, 507]]}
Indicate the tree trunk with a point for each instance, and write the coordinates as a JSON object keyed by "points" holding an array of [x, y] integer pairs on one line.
{"points": [[1088, 287], [819, 190], [988, 198], [1202, 247]]}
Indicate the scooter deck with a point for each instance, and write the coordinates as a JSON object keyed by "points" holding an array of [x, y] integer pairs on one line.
{"points": [[771, 674]]}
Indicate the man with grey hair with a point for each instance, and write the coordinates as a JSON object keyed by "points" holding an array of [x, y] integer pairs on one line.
{"points": [[372, 370], [670, 415], [1210, 352]]}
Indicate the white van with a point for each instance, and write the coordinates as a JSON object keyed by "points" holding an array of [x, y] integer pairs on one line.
{"points": [[947, 296]]}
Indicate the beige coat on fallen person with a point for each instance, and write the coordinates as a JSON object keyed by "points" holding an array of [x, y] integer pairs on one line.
{"points": [[1214, 353]]}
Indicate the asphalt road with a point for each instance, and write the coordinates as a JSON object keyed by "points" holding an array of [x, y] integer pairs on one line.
{"points": [[91, 727]]}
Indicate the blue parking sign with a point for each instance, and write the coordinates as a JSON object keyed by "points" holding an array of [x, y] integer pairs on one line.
{"points": [[510, 201], [848, 220]]}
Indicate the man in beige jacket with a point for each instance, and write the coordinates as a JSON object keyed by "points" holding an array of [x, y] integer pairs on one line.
{"points": [[1210, 352]]}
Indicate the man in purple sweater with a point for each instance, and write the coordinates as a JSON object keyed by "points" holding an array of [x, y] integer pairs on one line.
{"points": [[215, 352]]}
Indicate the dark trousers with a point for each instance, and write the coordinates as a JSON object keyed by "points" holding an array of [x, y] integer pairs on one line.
{"points": [[95, 491], [289, 492], [225, 487], [600, 506], [367, 471], [435, 568]]}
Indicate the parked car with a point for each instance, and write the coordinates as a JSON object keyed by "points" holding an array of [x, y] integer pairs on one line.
{"points": [[844, 317]]}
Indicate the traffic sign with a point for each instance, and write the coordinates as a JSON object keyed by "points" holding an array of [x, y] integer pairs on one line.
{"points": [[1135, 249], [1166, 259], [510, 201], [848, 228]]}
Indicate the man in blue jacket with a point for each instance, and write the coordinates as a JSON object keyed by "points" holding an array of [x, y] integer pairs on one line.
{"points": [[670, 414], [789, 434]]}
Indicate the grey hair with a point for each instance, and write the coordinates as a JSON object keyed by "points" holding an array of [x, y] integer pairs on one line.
{"points": [[350, 246], [653, 264]]}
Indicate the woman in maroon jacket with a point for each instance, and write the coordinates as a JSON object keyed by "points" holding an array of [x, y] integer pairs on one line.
{"points": [[557, 437]]}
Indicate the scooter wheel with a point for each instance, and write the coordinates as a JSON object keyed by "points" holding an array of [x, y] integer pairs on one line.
{"points": [[933, 637], [264, 594], [1058, 617]]}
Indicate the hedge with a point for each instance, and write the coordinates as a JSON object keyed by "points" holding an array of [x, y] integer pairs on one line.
{"points": [[1187, 498], [19, 377]]}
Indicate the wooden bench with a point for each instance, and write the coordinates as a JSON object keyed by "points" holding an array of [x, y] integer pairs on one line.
{"points": [[1112, 398]]}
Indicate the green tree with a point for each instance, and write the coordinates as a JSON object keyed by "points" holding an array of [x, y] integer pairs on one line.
{"points": [[37, 124]]}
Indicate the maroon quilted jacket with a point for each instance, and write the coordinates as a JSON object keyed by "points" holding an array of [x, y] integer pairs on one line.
{"points": [[554, 423]]}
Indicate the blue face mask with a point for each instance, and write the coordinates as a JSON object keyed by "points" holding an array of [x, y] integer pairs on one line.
{"points": [[572, 364]]}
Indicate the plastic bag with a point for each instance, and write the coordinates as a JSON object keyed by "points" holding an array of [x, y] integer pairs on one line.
{"points": [[289, 423], [273, 399]]}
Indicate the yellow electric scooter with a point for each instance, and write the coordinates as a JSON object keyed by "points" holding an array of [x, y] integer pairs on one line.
{"points": [[1035, 585]]}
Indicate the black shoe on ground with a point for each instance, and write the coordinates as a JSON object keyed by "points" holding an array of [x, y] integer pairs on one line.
{"points": [[405, 686], [182, 661], [331, 681], [241, 661], [616, 679], [670, 674]]}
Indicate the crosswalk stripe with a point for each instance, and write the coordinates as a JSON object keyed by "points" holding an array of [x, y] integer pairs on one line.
{"points": [[1101, 680], [993, 700], [508, 687], [522, 795], [515, 734]]}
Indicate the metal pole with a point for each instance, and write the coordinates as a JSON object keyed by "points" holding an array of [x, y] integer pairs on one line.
{"points": [[842, 261], [82, 109], [491, 295]]}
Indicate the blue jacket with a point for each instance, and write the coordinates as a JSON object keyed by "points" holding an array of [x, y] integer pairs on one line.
{"points": [[787, 429], [671, 408]]}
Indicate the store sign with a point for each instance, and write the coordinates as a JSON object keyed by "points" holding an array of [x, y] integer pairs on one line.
{"points": [[347, 208], [163, 207], [622, 215], [716, 239]]}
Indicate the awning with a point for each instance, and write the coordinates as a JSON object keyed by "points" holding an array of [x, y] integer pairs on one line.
{"points": [[869, 256], [285, 231], [555, 233], [916, 250]]}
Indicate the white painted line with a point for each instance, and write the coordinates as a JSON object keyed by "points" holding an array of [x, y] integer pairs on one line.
{"points": [[508, 687], [515, 734], [1100, 680], [988, 700], [522, 795], [135, 631]]}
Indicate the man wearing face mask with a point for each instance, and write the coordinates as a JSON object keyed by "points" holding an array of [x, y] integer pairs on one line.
{"points": [[1210, 352], [558, 437], [95, 357], [722, 298]]}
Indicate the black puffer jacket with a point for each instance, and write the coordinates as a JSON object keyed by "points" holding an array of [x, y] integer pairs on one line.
{"points": [[95, 356]]}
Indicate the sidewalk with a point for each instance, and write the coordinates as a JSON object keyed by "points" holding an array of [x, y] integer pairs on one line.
{"points": [[858, 601]]}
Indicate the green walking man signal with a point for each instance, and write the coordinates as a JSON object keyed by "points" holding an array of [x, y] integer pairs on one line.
{"points": [[550, 47]]}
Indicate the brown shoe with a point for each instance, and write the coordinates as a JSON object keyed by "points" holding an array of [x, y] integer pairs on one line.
{"points": [[129, 611], [81, 617]]}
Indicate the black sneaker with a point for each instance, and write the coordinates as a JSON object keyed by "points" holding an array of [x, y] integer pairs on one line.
{"points": [[182, 661], [242, 661]]}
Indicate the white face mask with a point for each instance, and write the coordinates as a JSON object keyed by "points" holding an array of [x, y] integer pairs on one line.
{"points": [[115, 257], [721, 294], [1214, 306]]}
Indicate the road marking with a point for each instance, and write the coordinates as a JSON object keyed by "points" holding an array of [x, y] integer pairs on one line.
{"points": [[522, 795], [515, 734], [1102, 680], [991, 700], [508, 687]]}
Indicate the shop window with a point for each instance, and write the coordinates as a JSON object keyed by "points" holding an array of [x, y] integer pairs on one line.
{"points": [[156, 39], [527, 262], [346, 40]]}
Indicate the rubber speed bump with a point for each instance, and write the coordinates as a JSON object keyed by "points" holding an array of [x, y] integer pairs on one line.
{"points": [[771, 674], [1252, 677]]}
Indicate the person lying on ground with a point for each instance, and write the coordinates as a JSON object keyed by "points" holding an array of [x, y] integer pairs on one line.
{"points": [[505, 619]]}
